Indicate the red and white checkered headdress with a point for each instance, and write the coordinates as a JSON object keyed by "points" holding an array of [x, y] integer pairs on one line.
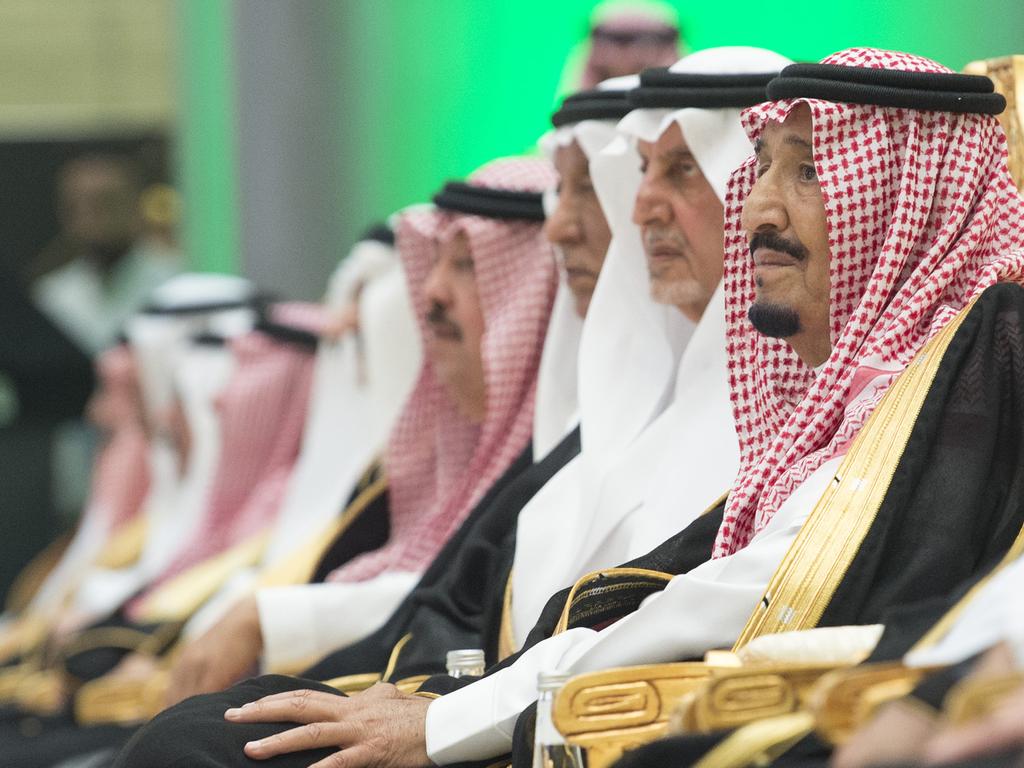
{"points": [[262, 412], [120, 475], [438, 463], [922, 217]]}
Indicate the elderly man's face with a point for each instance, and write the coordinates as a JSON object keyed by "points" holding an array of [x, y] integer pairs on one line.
{"points": [[456, 324], [680, 218], [784, 218], [577, 226]]}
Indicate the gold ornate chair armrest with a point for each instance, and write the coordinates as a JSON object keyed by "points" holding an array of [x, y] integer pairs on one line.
{"points": [[43, 692], [24, 636], [112, 699], [12, 677], [611, 711], [977, 697], [124, 702], [731, 698], [844, 699]]}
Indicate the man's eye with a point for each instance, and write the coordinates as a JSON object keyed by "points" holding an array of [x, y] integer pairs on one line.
{"points": [[643, 166], [761, 169], [463, 265], [683, 169], [808, 173]]}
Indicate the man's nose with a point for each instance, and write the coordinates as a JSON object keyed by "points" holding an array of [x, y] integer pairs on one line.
{"points": [[764, 209], [651, 206], [437, 288], [563, 225]]}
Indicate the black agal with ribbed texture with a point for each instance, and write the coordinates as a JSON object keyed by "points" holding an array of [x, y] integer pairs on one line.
{"points": [[256, 301], [460, 197], [662, 89], [288, 334], [380, 233], [592, 105], [942, 92]]}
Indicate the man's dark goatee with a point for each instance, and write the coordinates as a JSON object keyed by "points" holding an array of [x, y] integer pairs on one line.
{"points": [[774, 320]]}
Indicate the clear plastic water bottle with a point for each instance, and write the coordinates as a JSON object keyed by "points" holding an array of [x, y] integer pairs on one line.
{"points": [[465, 663], [549, 747]]}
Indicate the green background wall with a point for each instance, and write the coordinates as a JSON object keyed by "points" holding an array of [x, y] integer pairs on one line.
{"points": [[430, 89], [434, 88]]}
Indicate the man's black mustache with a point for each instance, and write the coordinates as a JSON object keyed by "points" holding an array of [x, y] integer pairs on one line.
{"points": [[438, 319], [773, 241]]}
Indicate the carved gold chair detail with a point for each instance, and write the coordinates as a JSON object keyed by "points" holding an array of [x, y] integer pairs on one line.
{"points": [[609, 712], [974, 698]]}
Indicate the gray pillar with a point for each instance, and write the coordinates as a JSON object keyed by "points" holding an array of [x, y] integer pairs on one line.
{"points": [[288, 155]]}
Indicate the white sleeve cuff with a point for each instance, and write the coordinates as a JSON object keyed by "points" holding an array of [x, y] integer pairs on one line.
{"points": [[476, 722], [302, 624], [452, 739], [703, 609], [287, 622]]}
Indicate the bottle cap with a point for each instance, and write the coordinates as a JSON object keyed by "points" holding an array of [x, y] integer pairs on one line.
{"points": [[466, 658], [551, 681]]}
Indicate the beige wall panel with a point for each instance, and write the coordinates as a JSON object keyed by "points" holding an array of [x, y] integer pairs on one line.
{"points": [[71, 66]]}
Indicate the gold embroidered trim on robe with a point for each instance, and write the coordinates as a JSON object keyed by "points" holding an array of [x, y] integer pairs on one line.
{"points": [[299, 566], [354, 683], [184, 594], [506, 635], [389, 670], [32, 575], [125, 545], [361, 681], [817, 561], [759, 743], [605, 583]]}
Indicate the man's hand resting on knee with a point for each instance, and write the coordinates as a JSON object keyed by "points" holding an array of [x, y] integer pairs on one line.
{"points": [[379, 727]]}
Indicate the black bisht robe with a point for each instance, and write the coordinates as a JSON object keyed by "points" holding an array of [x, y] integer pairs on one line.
{"points": [[458, 596], [194, 732], [458, 601], [952, 511]]}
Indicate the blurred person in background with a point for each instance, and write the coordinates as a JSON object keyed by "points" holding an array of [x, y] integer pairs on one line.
{"points": [[45, 379], [625, 36], [115, 259]]}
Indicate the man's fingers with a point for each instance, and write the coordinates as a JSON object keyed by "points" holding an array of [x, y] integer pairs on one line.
{"points": [[300, 693], [294, 707], [309, 736]]}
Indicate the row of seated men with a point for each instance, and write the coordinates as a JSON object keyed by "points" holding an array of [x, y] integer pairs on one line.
{"points": [[773, 407], [211, 483]]}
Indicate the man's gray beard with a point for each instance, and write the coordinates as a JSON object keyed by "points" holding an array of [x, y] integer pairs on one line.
{"points": [[676, 293]]}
